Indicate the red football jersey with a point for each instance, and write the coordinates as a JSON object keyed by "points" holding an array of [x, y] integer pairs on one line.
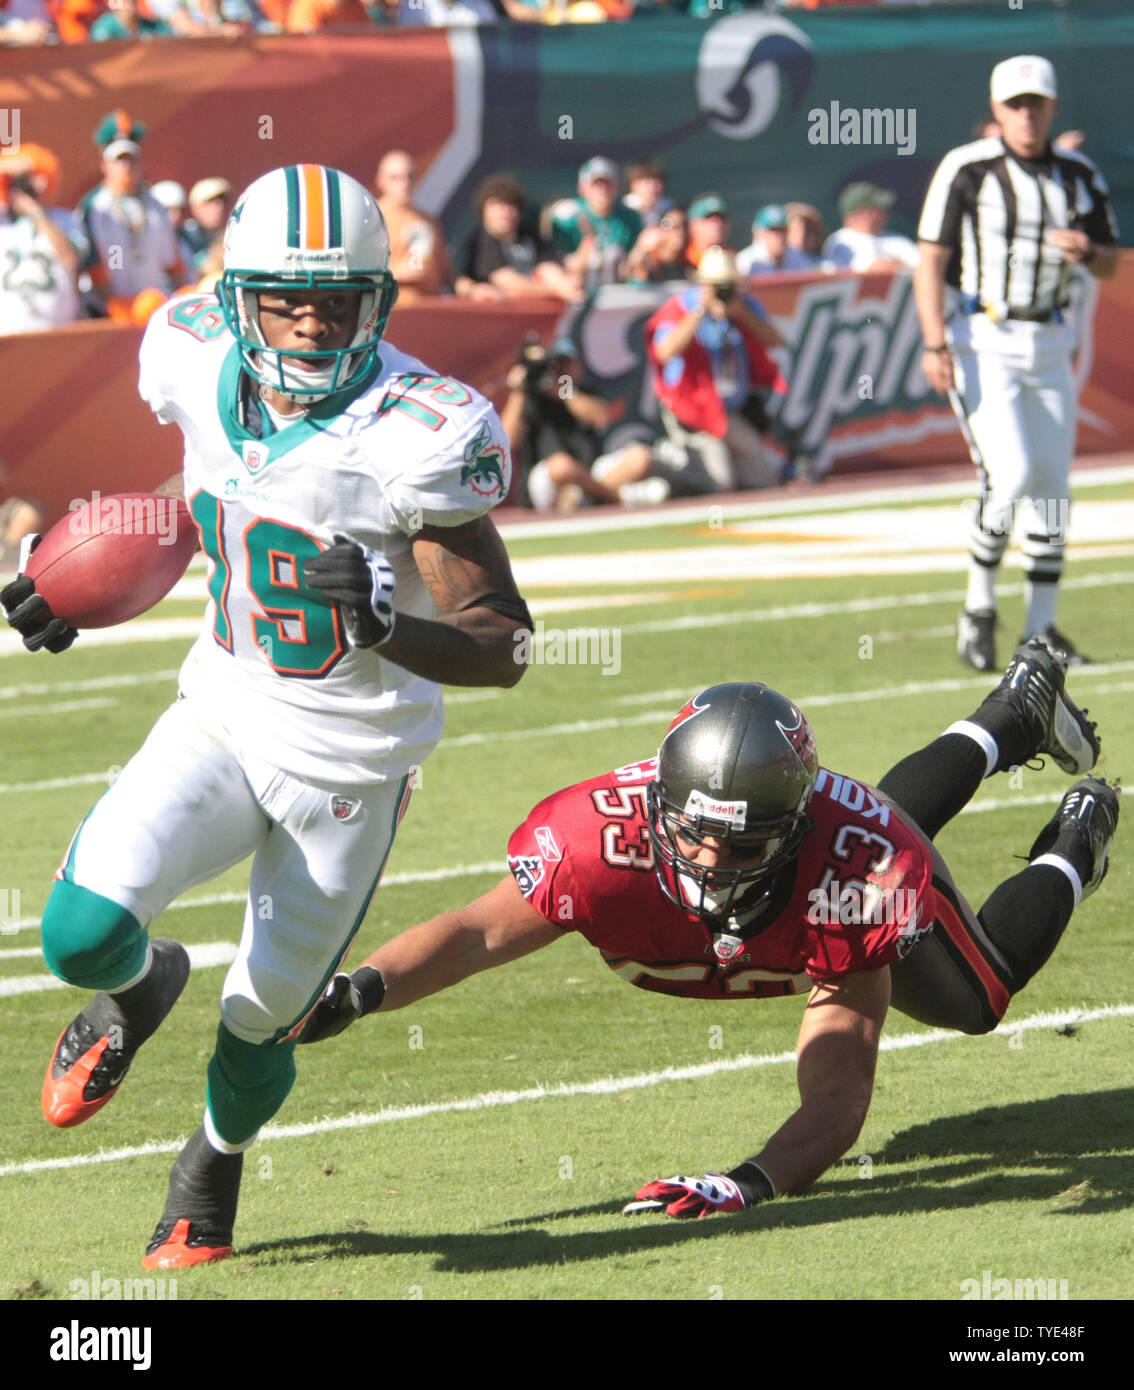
{"points": [[858, 896]]}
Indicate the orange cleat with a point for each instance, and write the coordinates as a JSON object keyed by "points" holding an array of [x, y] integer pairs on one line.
{"points": [[200, 1208], [96, 1049], [83, 1074], [180, 1249]]}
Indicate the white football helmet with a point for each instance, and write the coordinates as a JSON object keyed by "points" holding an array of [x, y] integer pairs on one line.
{"points": [[306, 226]]}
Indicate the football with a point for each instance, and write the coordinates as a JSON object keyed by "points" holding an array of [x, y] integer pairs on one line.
{"points": [[113, 557]]}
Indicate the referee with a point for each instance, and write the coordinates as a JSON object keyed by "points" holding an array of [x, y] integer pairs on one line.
{"points": [[1005, 221]]}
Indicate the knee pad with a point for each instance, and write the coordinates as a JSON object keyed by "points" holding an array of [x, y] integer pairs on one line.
{"points": [[248, 1082], [90, 941]]}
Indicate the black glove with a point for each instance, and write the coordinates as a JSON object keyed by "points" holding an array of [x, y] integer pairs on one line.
{"points": [[361, 582], [29, 614], [345, 999]]}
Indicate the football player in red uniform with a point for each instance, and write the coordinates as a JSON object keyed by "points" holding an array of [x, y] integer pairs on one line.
{"points": [[733, 866]]}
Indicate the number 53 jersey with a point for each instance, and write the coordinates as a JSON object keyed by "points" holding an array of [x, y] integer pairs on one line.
{"points": [[400, 450], [858, 896]]}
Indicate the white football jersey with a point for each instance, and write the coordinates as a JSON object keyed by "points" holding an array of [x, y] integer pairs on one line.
{"points": [[402, 450], [36, 290]]}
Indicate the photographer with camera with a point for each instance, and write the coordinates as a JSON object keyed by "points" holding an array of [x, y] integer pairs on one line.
{"points": [[40, 261], [707, 347], [555, 430]]}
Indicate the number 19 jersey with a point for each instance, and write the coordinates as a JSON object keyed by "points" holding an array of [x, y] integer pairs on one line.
{"points": [[400, 450]]}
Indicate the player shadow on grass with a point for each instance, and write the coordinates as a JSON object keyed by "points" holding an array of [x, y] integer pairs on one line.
{"points": [[971, 1158]]}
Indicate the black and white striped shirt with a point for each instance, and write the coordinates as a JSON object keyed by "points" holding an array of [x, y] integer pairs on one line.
{"points": [[995, 208]]}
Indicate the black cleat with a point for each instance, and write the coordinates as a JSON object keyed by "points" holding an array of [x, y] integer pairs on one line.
{"points": [[1091, 808], [976, 639], [200, 1209], [1033, 684], [95, 1050]]}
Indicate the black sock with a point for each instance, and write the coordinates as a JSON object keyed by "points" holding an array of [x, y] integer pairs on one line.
{"points": [[1069, 844], [936, 782], [1026, 916], [1004, 715]]}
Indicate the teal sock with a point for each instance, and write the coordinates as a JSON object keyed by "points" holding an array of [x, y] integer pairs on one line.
{"points": [[248, 1082]]}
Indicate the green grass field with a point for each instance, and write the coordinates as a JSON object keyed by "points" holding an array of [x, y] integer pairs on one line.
{"points": [[458, 1149]]}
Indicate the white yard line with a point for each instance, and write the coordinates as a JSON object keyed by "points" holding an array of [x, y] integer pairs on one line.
{"points": [[487, 1100], [204, 957]]}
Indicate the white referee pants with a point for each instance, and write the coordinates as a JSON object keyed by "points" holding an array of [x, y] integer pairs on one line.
{"points": [[1016, 384]]}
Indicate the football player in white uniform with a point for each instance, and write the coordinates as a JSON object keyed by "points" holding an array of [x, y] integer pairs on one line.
{"points": [[341, 491]]}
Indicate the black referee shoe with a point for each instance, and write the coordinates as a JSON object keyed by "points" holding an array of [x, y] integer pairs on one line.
{"points": [[976, 639]]}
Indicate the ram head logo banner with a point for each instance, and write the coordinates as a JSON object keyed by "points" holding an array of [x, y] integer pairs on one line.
{"points": [[742, 65]]}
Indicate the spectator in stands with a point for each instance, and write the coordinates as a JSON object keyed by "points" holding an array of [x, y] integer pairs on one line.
{"points": [[210, 202], [645, 181], [131, 245], [173, 198], [594, 233], [769, 250], [502, 261], [18, 518], [38, 254], [223, 18], [73, 18], [708, 226], [122, 20], [707, 347], [806, 230], [555, 426], [309, 16], [26, 24], [862, 243], [439, 14], [659, 253], [418, 258]]}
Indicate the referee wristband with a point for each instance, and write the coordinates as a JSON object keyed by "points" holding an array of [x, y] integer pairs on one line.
{"points": [[754, 1184]]}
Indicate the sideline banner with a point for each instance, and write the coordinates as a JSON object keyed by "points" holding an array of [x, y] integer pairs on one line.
{"points": [[856, 394], [71, 419]]}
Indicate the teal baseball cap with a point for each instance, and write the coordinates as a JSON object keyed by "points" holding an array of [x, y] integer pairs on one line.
{"points": [[771, 218], [708, 205]]}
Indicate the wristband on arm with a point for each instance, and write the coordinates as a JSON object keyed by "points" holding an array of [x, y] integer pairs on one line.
{"points": [[754, 1184]]}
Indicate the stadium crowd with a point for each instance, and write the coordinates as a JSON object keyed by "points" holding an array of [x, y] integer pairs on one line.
{"points": [[131, 243], [26, 23]]}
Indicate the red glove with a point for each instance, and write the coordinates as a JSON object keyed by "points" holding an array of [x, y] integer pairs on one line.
{"points": [[683, 1197]]}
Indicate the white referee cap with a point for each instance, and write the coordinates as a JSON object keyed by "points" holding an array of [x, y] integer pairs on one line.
{"points": [[1029, 73]]}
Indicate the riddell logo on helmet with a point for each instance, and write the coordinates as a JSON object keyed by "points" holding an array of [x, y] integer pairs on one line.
{"points": [[733, 813]]}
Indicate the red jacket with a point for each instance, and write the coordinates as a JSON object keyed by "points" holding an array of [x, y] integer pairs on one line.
{"points": [[694, 399]]}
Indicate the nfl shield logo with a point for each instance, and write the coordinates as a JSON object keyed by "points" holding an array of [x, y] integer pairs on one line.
{"points": [[343, 807], [255, 455]]}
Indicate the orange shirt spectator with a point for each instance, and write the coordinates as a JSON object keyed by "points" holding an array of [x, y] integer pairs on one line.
{"points": [[73, 18], [305, 16]]}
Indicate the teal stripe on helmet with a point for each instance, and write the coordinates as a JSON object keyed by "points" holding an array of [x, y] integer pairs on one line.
{"points": [[335, 201], [291, 174]]}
